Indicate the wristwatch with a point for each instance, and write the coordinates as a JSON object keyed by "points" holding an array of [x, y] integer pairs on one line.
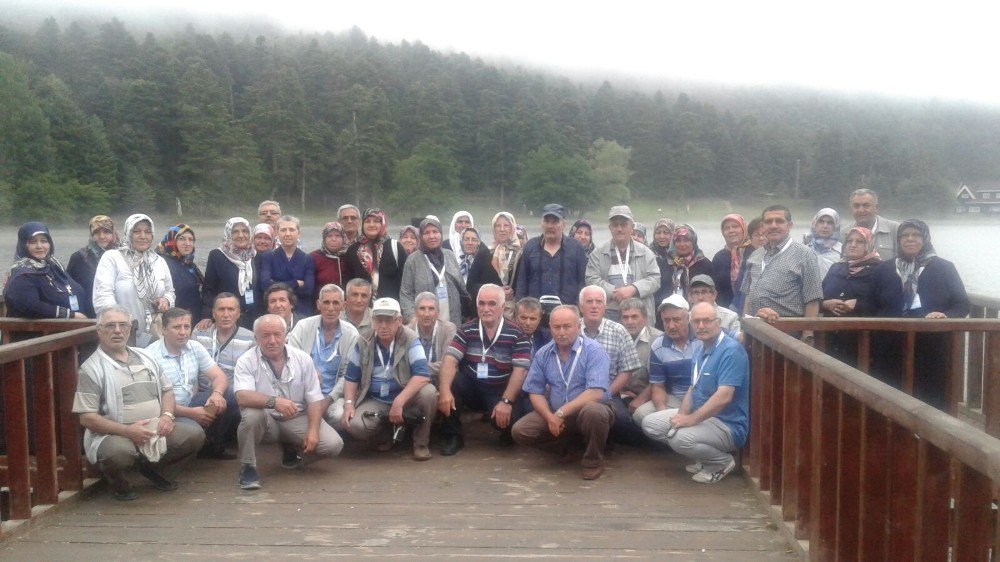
{"points": [[507, 401], [560, 414], [348, 402], [270, 403], [168, 414]]}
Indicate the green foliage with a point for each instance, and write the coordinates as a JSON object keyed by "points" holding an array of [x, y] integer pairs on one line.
{"points": [[421, 179], [6, 201], [25, 147], [48, 198], [549, 177], [610, 162]]}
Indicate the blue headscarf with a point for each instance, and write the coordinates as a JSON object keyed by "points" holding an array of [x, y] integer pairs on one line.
{"points": [[24, 264]]}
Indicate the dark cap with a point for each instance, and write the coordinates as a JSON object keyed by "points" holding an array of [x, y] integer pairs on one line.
{"points": [[703, 280], [554, 209]]}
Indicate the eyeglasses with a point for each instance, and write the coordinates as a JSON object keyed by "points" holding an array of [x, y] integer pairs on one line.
{"points": [[114, 326], [266, 213], [699, 292], [703, 321]]}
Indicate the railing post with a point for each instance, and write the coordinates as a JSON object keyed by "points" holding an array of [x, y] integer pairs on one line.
{"points": [[790, 446], [777, 427], [756, 433], [766, 419], [47, 484], [902, 493], [955, 388], [848, 477], [975, 371], [873, 510], [69, 430], [933, 499], [825, 413], [804, 466], [973, 514], [991, 386], [16, 424], [909, 357]]}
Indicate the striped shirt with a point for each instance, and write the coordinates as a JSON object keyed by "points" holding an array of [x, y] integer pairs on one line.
{"points": [[618, 344], [510, 348], [670, 366]]}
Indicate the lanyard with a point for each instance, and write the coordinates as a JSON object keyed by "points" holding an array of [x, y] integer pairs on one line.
{"points": [[763, 262], [320, 340], [624, 265], [704, 357], [215, 342], [482, 338], [429, 351], [378, 354], [572, 368], [440, 274]]}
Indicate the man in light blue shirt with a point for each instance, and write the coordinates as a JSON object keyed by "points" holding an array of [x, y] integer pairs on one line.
{"points": [[575, 370], [184, 361]]}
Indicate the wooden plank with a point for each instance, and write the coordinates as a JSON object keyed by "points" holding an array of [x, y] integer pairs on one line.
{"points": [[864, 350], [777, 428], [756, 432], [955, 387], [991, 386], [848, 477], [974, 376], [933, 499], [825, 413], [46, 463], [70, 443], [16, 427], [790, 446], [873, 512], [804, 460], [766, 416], [909, 356], [902, 494], [973, 514]]}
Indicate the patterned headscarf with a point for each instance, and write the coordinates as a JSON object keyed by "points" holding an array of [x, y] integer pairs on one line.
{"points": [[505, 254], [142, 262], [641, 229], [583, 223], [736, 253], [242, 259], [662, 253], [819, 244], [25, 264], [370, 249], [683, 264], [871, 256], [909, 269], [412, 230], [168, 248], [465, 260], [333, 226], [105, 222], [521, 232]]}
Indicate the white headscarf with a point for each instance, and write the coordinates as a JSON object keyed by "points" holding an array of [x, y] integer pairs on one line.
{"points": [[242, 259], [455, 238], [140, 262]]}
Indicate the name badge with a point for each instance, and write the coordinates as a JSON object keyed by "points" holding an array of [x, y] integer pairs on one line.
{"points": [[384, 391], [442, 292], [482, 371], [74, 303], [248, 297]]}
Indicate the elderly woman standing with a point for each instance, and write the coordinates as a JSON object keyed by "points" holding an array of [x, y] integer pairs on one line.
{"points": [[83, 263], [177, 249], [849, 290], [376, 258], [728, 263], [501, 268], [135, 277], [583, 232], [663, 234], [459, 222], [435, 270], [290, 265], [824, 239], [232, 268], [409, 238], [37, 285], [329, 257], [686, 260]]}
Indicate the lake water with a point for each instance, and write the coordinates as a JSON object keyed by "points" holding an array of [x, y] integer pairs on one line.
{"points": [[973, 247]]}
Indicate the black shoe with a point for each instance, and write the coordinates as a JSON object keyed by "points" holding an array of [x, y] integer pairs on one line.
{"points": [[290, 458], [506, 439], [451, 445], [248, 477], [123, 491], [159, 482]]}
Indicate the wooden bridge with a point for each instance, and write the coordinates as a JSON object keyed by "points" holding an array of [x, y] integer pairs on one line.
{"points": [[838, 466]]}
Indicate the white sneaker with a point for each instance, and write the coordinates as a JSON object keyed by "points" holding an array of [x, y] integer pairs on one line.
{"points": [[693, 468], [706, 477]]}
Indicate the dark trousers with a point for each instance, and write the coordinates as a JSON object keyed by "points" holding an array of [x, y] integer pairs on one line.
{"points": [[469, 392], [624, 431], [223, 429]]}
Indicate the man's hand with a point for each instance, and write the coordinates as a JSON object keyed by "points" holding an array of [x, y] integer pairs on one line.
{"points": [[936, 315], [396, 412], [165, 426], [836, 307], [138, 433], [309, 441], [501, 414], [199, 415], [556, 425], [162, 304], [682, 420], [216, 399], [622, 293], [446, 402], [285, 407], [768, 315], [348, 414], [203, 325]]}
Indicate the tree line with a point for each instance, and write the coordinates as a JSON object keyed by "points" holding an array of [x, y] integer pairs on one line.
{"points": [[93, 118]]}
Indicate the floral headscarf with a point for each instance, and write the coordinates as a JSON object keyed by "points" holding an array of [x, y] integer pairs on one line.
{"points": [[333, 226], [465, 260], [168, 248], [736, 253], [370, 249], [819, 244], [105, 222], [242, 259], [141, 263], [909, 269], [505, 255], [522, 233], [683, 264], [411, 229], [871, 256]]}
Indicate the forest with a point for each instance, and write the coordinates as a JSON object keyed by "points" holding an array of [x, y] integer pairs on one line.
{"points": [[94, 118]]}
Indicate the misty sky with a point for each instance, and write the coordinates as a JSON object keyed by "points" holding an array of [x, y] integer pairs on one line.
{"points": [[909, 49]]}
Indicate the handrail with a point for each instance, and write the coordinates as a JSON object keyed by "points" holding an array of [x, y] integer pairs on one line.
{"points": [[53, 342], [968, 444], [889, 324], [985, 301]]}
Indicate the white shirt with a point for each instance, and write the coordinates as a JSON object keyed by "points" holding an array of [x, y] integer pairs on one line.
{"points": [[297, 382]]}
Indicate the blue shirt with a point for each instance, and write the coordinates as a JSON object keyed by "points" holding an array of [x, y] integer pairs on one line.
{"points": [[326, 359], [543, 274], [183, 369], [670, 366], [725, 364], [586, 367], [383, 373]]}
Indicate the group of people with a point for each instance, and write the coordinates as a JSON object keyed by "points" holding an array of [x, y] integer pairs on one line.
{"points": [[556, 339]]}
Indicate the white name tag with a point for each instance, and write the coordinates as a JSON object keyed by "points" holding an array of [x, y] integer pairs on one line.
{"points": [[74, 303], [442, 293], [248, 297], [482, 371]]}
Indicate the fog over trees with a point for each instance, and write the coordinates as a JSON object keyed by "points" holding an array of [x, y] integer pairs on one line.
{"points": [[94, 118]]}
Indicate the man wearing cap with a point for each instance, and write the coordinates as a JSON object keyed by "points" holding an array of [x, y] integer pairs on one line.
{"points": [[782, 277], [552, 264], [484, 368], [622, 267], [279, 395], [328, 341], [636, 323], [568, 387], [713, 419], [623, 360], [703, 290], [669, 359], [435, 334], [387, 378]]}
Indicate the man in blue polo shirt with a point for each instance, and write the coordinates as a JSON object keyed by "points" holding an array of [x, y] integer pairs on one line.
{"points": [[669, 359], [484, 368], [568, 385], [714, 417]]}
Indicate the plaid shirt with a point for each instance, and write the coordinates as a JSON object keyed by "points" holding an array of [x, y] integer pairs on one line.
{"points": [[616, 341], [784, 279]]}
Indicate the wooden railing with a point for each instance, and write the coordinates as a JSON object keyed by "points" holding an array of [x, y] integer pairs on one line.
{"points": [[44, 464], [856, 469]]}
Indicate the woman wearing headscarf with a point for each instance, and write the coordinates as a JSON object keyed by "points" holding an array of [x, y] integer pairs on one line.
{"points": [[377, 258], [135, 277], [83, 263], [459, 222], [919, 284], [432, 269], [583, 232], [37, 285], [728, 263], [756, 238], [639, 233], [329, 258], [500, 265], [849, 290], [232, 268], [288, 264], [177, 249], [409, 238], [686, 260], [522, 234], [824, 239], [663, 234]]}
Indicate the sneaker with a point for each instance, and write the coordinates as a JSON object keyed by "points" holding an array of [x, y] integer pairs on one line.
{"points": [[290, 458], [248, 477], [693, 468], [421, 453], [159, 482], [706, 477]]}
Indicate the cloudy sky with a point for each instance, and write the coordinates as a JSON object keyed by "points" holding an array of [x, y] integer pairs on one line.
{"points": [[908, 49]]}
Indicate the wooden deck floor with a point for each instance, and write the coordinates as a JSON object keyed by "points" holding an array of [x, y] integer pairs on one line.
{"points": [[486, 502]]}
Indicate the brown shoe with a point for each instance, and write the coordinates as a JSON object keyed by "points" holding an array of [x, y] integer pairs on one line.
{"points": [[592, 472], [567, 456], [421, 453], [384, 446]]}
